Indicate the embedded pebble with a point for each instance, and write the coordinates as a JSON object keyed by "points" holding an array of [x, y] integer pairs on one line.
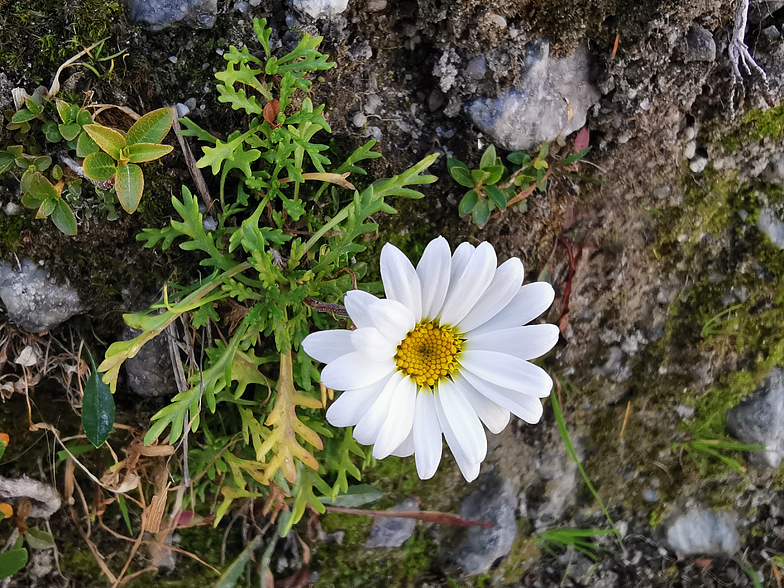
{"points": [[173, 58], [182, 110], [12, 209], [690, 149], [359, 120], [698, 164], [689, 133], [770, 224], [477, 67], [241, 6], [320, 8], [391, 532], [376, 5], [650, 495], [703, 532]]}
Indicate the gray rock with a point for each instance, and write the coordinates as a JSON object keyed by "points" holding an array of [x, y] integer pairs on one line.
{"points": [[150, 371], [44, 499], [160, 14], [538, 109], [476, 549], [700, 43], [769, 223], [703, 532], [477, 67], [393, 532], [32, 301], [320, 8], [760, 419]]}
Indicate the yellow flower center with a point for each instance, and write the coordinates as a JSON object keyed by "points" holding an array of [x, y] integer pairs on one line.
{"points": [[429, 353]]}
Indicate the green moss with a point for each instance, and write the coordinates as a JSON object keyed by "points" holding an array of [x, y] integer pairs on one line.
{"points": [[756, 125], [10, 229]]}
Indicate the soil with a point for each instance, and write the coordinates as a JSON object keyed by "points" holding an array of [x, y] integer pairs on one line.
{"points": [[649, 254]]}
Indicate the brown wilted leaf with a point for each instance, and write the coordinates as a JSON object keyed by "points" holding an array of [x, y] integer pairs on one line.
{"points": [[271, 111]]}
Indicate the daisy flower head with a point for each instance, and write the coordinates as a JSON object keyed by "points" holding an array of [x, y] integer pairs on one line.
{"points": [[444, 352]]}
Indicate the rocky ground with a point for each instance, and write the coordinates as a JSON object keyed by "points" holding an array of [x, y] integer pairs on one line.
{"points": [[669, 271]]}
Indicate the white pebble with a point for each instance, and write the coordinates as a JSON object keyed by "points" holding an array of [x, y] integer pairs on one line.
{"points": [[173, 58], [359, 120], [690, 149], [689, 133], [698, 164]]}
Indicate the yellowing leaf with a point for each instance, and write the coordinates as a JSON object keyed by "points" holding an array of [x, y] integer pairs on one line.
{"points": [[107, 139], [286, 426], [129, 185], [152, 127], [141, 152], [99, 166]]}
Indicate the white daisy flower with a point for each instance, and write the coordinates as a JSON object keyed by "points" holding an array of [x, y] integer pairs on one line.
{"points": [[445, 352]]}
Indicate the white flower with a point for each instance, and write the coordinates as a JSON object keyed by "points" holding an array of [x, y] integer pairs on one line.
{"points": [[445, 350]]}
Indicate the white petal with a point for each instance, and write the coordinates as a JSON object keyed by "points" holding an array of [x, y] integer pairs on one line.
{"points": [[470, 470], [466, 290], [406, 448], [371, 422], [531, 301], [463, 421], [354, 370], [460, 259], [399, 420], [352, 405], [525, 406], [427, 435], [526, 342], [506, 283], [401, 281], [326, 346], [507, 371], [372, 344], [433, 271], [495, 417], [392, 318], [357, 303]]}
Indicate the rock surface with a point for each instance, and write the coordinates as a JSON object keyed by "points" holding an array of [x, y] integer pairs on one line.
{"points": [[393, 532], [320, 8], [44, 499], [760, 419], [703, 532], [150, 371], [769, 223], [539, 108], [34, 302], [160, 14], [476, 549]]}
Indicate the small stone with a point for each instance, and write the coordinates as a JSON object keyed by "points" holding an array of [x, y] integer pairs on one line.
{"points": [[255, 3], [190, 103], [12, 209], [182, 110], [703, 532], [760, 419], [390, 532], [498, 21], [33, 301], [160, 14], [361, 52], [476, 549], [150, 373], [435, 100], [701, 46], [209, 224], [373, 104], [173, 58], [689, 133], [359, 120], [662, 192], [771, 32], [376, 5], [650, 495], [241, 6], [769, 223], [698, 164], [477, 67], [690, 149], [320, 8]]}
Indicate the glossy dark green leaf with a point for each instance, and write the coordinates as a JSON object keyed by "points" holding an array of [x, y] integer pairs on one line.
{"points": [[496, 196], [83, 117], [519, 158], [97, 407], [468, 202], [6, 161]]}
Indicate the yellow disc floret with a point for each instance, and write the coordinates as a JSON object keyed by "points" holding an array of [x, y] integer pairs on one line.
{"points": [[429, 353]]}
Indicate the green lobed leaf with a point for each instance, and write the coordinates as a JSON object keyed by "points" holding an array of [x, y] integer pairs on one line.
{"points": [[107, 139], [50, 131], [468, 202], [97, 407], [129, 184], [99, 167], [263, 34], [12, 561], [141, 152], [152, 127], [63, 218]]}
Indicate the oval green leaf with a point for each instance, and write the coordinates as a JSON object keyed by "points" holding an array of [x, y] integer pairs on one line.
{"points": [[46, 208], [496, 196], [40, 188], [65, 111], [107, 139], [38, 539], [97, 407], [481, 213], [141, 152], [6, 161], [69, 131], [12, 561], [496, 173], [99, 167], [468, 202], [462, 176], [83, 117], [479, 176], [23, 116], [488, 157], [129, 185], [85, 145], [63, 218], [152, 127], [43, 162]]}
